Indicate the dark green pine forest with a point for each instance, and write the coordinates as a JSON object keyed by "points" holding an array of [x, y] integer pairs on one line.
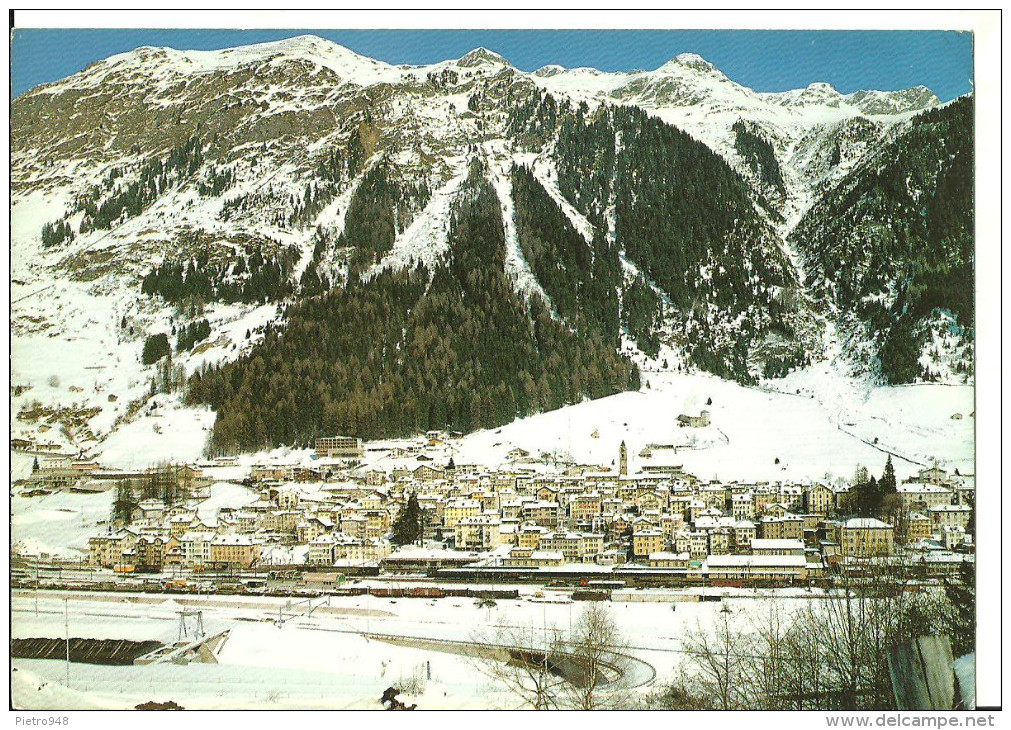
{"points": [[687, 221], [759, 155], [894, 242], [582, 279], [249, 278], [412, 350]]}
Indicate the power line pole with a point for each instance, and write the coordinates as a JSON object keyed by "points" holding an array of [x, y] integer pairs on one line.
{"points": [[66, 629]]}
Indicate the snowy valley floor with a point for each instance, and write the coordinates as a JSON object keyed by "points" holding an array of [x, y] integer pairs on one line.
{"points": [[332, 659]]}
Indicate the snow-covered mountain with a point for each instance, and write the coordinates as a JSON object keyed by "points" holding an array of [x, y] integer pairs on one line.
{"points": [[160, 188], [284, 79], [694, 95]]}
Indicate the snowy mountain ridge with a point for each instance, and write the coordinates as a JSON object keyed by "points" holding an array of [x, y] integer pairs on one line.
{"points": [[250, 162], [687, 90]]}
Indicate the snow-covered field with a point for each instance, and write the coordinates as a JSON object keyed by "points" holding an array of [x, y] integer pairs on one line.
{"points": [[750, 429], [59, 524], [326, 661], [69, 351]]}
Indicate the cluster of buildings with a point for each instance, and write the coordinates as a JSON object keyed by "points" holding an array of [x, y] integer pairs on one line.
{"points": [[55, 471], [341, 510]]}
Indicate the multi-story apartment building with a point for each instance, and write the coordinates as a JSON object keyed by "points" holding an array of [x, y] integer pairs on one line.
{"points": [[195, 547], [866, 537], [917, 496], [478, 532], [340, 447], [321, 550], [786, 527], [743, 506], [355, 550], [949, 515], [234, 551], [719, 541], [918, 527], [821, 499], [585, 506], [106, 551], [647, 541], [529, 535], [744, 532], [458, 509], [150, 552], [575, 546], [541, 513]]}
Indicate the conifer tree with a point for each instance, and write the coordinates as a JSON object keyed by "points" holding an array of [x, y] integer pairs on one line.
{"points": [[887, 483], [407, 527]]}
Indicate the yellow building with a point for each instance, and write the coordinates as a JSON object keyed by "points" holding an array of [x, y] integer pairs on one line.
{"points": [[821, 500], [719, 542], [575, 546], [529, 535], [480, 532], [786, 527], [106, 551], [645, 542], [234, 551], [866, 537], [918, 527], [585, 506], [542, 513]]}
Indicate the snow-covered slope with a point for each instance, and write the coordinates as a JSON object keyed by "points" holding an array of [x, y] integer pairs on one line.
{"points": [[164, 66], [820, 425]]}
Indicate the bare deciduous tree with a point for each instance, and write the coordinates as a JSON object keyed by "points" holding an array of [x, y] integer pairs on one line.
{"points": [[718, 659], [587, 669], [523, 661], [829, 654], [598, 653]]}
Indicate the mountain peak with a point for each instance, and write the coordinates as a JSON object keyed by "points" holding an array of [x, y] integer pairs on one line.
{"points": [[821, 87], [481, 56], [551, 69], [307, 41], [313, 49], [916, 98], [688, 60]]}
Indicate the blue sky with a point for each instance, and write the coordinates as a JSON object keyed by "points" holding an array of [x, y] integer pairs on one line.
{"points": [[762, 60]]}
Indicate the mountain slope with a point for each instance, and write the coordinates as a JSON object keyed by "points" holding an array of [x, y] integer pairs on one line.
{"points": [[415, 350], [692, 94], [244, 202], [891, 247], [681, 217]]}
